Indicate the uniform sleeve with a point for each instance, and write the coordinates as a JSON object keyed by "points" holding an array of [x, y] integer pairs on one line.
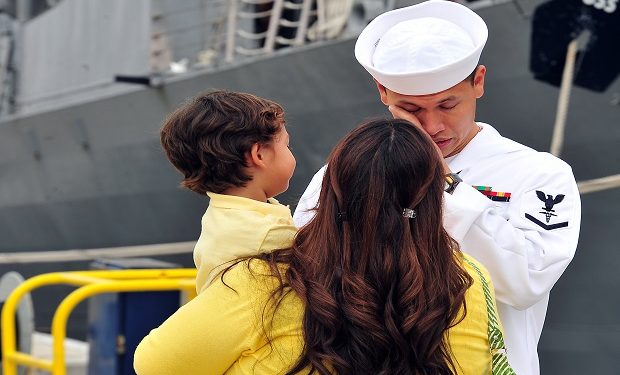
{"points": [[527, 248], [308, 201], [205, 336]]}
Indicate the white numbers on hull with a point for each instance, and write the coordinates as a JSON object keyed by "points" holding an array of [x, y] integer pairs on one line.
{"points": [[608, 6]]}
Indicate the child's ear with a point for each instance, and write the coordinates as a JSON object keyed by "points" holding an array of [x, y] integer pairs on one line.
{"points": [[256, 155]]}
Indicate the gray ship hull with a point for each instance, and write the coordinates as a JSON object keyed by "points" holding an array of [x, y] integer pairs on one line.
{"points": [[92, 175]]}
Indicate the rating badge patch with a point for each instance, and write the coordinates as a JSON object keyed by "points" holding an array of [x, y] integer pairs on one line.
{"points": [[547, 209]]}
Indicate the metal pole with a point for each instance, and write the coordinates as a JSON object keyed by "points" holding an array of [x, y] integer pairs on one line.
{"points": [[304, 17], [274, 25], [557, 140], [599, 184], [24, 10], [231, 30]]}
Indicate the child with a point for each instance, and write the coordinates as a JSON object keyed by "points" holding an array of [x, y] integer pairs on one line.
{"points": [[233, 147]]}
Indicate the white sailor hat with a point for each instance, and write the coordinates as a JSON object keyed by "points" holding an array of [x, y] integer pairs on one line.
{"points": [[424, 48]]}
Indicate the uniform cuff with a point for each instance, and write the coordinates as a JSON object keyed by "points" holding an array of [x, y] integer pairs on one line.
{"points": [[462, 208]]}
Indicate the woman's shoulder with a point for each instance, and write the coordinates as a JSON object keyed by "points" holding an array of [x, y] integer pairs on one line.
{"points": [[475, 269], [469, 338], [481, 287]]}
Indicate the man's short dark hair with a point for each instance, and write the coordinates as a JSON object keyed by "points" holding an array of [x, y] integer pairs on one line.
{"points": [[472, 76], [207, 139]]}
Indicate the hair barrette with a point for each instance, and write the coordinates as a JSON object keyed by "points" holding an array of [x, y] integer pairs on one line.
{"points": [[409, 213]]}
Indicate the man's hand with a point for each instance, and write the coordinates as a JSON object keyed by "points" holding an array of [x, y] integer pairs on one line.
{"points": [[400, 113]]}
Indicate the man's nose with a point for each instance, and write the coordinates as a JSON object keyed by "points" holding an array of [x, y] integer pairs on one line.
{"points": [[431, 122]]}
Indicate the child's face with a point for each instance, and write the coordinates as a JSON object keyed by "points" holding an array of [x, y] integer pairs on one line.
{"points": [[281, 164]]}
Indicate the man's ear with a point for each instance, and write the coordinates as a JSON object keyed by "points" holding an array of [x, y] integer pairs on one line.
{"points": [[479, 81], [255, 156], [382, 92]]}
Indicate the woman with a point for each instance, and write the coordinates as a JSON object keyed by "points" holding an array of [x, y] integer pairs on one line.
{"points": [[373, 285]]}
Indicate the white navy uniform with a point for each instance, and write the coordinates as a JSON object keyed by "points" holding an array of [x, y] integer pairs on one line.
{"points": [[526, 238]]}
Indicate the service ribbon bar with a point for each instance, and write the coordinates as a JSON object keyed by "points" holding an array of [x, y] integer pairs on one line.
{"points": [[497, 196]]}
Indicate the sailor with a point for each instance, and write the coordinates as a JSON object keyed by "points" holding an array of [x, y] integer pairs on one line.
{"points": [[514, 209]]}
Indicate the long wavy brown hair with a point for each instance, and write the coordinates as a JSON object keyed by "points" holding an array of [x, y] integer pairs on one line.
{"points": [[380, 289]]}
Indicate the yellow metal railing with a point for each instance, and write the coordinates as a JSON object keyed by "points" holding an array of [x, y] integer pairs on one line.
{"points": [[89, 283]]}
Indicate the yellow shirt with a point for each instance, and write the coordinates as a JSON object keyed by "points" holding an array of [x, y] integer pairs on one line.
{"points": [[221, 331], [234, 227]]}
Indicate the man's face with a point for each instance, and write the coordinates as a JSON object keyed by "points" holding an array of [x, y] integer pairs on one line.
{"points": [[447, 116]]}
